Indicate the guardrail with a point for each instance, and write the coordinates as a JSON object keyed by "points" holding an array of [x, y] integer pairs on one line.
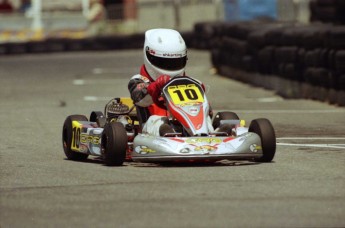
{"points": [[132, 18]]}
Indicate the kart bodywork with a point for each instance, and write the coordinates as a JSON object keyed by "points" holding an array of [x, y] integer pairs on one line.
{"points": [[118, 135]]}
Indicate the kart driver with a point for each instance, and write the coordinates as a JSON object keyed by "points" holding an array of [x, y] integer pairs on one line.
{"points": [[165, 56]]}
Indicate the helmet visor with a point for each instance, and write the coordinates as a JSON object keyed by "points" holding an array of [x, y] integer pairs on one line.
{"points": [[167, 63]]}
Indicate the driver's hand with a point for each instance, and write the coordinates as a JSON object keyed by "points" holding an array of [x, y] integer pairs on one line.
{"points": [[155, 88], [162, 80]]}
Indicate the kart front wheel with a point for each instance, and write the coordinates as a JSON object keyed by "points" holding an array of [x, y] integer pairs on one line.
{"points": [[114, 144], [265, 130], [67, 138]]}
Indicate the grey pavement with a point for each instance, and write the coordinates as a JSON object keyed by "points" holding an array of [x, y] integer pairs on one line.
{"points": [[303, 187]]}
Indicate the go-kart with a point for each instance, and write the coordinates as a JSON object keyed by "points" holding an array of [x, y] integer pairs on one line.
{"points": [[117, 136]]}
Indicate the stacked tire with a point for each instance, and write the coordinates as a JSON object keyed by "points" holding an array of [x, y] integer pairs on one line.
{"points": [[328, 11], [299, 61]]}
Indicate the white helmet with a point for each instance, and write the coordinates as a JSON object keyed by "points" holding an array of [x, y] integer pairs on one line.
{"points": [[165, 52]]}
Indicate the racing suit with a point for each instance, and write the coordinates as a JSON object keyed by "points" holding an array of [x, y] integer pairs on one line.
{"points": [[156, 115]]}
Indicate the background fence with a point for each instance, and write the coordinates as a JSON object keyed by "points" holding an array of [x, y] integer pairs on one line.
{"points": [[298, 60], [67, 18]]}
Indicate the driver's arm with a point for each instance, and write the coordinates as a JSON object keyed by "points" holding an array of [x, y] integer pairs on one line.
{"points": [[137, 87]]}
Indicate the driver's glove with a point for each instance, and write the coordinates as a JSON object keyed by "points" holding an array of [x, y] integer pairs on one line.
{"points": [[155, 88]]}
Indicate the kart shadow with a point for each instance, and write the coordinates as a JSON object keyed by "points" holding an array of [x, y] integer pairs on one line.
{"points": [[194, 164], [99, 161], [175, 164], [89, 160]]}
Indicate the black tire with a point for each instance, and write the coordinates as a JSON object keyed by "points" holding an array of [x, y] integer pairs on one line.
{"points": [[265, 130], [341, 82], [98, 117], [318, 77], [223, 116], [114, 144], [286, 54], [265, 59], [67, 138], [95, 115], [339, 59]]}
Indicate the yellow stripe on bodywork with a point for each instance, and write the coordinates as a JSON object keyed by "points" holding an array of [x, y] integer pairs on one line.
{"points": [[242, 123]]}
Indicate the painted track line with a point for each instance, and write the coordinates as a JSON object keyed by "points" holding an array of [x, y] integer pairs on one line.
{"points": [[335, 146], [311, 138], [289, 111], [108, 81], [94, 98], [315, 145]]}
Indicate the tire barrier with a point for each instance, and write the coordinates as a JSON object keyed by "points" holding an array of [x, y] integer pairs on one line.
{"points": [[298, 61], [328, 11], [63, 44], [111, 42]]}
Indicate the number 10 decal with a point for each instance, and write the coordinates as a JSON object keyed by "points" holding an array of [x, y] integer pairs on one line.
{"points": [[182, 94], [76, 130]]}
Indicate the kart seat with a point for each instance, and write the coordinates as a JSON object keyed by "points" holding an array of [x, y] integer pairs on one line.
{"points": [[143, 115]]}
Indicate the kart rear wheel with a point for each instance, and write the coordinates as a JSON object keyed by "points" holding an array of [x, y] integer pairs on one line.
{"points": [[265, 130], [223, 116], [95, 115], [98, 117], [67, 138], [114, 144]]}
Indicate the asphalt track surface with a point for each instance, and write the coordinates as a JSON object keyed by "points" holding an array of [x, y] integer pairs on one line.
{"points": [[303, 187]]}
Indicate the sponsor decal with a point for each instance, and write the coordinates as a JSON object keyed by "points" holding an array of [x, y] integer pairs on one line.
{"points": [[193, 110], [173, 55], [145, 79], [203, 140], [206, 148], [185, 151], [165, 54], [191, 104], [83, 148], [254, 148], [85, 138], [143, 150]]}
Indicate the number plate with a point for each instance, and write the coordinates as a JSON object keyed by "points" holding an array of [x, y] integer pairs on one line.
{"points": [[182, 94], [76, 131]]}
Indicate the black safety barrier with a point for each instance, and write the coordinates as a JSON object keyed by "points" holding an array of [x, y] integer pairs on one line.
{"points": [[110, 42], [298, 61], [328, 11]]}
